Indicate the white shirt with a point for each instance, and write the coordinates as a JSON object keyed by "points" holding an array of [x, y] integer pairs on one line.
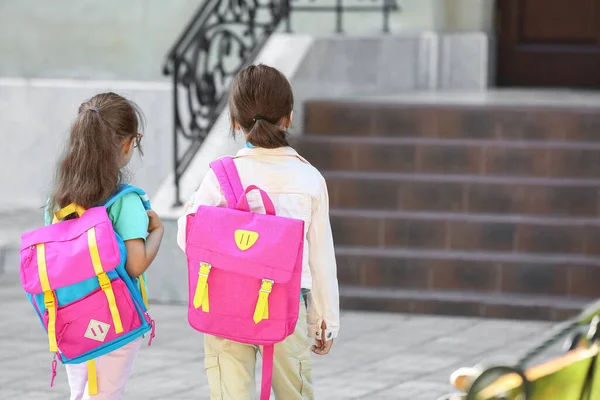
{"points": [[299, 191]]}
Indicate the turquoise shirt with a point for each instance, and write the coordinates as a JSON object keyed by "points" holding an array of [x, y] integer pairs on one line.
{"points": [[130, 221], [129, 217]]}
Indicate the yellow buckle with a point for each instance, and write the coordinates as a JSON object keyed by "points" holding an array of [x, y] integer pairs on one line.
{"points": [[104, 281], [204, 269], [267, 286], [106, 286], [49, 299], [201, 293], [261, 311], [50, 303]]}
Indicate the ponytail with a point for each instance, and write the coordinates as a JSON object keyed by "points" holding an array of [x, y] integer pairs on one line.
{"points": [[261, 103], [265, 134]]}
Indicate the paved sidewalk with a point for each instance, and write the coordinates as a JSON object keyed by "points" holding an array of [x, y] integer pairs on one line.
{"points": [[379, 356]]}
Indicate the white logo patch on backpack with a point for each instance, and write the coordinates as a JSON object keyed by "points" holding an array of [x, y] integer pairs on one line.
{"points": [[97, 330]]}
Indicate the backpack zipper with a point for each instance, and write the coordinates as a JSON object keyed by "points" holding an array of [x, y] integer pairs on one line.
{"points": [[54, 361], [54, 367], [29, 257], [148, 319]]}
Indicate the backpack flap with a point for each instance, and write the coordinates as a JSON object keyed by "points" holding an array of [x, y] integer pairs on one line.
{"points": [[68, 252], [254, 245]]}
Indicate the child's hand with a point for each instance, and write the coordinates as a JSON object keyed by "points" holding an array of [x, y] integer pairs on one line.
{"points": [[154, 222], [322, 347], [141, 254]]}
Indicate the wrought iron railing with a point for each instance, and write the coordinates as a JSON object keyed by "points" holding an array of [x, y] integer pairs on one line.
{"points": [[222, 37]]}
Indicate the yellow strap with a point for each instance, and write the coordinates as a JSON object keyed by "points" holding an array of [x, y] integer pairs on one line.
{"points": [[201, 294], [42, 269], [92, 378], [68, 210], [50, 304], [93, 246], [49, 300], [144, 291], [104, 280], [262, 305]]}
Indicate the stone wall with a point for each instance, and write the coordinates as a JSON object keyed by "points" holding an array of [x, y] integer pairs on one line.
{"points": [[128, 40], [35, 116], [89, 39]]}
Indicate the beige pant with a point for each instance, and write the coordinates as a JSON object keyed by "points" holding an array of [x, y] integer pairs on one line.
{"points": [[231, 366]]}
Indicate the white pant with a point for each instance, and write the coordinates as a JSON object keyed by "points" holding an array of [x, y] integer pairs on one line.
{"points": [[112, 371]]}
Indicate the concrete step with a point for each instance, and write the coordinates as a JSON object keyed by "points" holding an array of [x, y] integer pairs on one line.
{"points": [[463, 193], [466, 232], [461, 303], [485, 121], [558, 159], [484, 272]]}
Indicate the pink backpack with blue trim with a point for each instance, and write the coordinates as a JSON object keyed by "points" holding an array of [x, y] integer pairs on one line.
{"points": [[73, 272], [244, 269]]}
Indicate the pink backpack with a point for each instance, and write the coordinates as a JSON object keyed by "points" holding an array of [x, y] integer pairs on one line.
{"points": [[244, 270], [73, 272]]}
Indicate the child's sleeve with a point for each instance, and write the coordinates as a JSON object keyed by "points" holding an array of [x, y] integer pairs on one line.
{"points": [[324, 295], [129, 217], [208, 194]]}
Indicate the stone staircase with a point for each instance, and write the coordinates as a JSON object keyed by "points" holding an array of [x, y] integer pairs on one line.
{"points": [[479, 210]]}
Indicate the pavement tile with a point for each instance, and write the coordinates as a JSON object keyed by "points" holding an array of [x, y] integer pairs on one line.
{"points": [[378, 356]]}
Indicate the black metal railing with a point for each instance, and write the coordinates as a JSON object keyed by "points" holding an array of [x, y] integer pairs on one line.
{"points": [[222, 37], [341, 7]]}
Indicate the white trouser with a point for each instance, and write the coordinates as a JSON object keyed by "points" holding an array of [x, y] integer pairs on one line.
{"points": [[112, 371]]}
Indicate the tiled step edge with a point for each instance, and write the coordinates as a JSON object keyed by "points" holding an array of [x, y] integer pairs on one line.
{"points": [[461, 178], [451, 142], [464, 217], [449, 295], [461, 303], [487, 256]]}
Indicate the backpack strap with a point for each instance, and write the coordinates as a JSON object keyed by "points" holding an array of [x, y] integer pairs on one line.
{"points": [[231, 185], [229, 180], [126, 189], [122, 191], [267, 371], [92, 378]]}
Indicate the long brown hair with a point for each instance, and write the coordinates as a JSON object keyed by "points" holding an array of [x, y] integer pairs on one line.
{"points": [[90, 171], [261, 102]]}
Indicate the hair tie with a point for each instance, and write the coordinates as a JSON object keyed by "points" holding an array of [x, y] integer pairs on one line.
{"points": [[257, 117], [94, 110]]}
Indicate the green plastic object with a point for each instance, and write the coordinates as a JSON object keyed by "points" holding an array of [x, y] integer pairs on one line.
{"points": [[572, 376], [561, 379]]}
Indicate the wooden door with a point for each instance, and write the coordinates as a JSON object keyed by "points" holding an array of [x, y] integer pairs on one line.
{"points": [[551, 43]]}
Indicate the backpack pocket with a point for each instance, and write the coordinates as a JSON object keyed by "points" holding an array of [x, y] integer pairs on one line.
{"points": [[87, 324]]}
